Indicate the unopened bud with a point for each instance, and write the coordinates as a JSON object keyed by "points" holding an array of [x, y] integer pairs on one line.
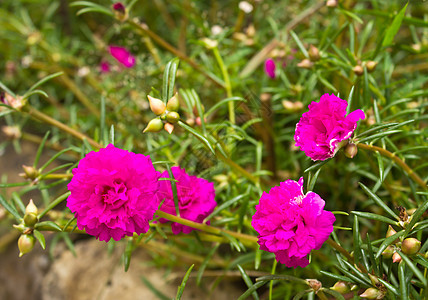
{"points": [[209, 43], [351, 150], [331, 3], [29, 172], [26, 243], [314, 284], [358, 70], [169, 127], [12, 132], [340, 287], [31, 208], [411, 211], [172, 117], [30, 219], [246, 7], [396, 258], [371, 66], [292, 106], [154, 125], [373, 279], [388, 252], [390, 231], [33, 38], [371, 293], [156, 105], [410, 246], [314, 53], [173, 104], [120, 11], [305, 64]]}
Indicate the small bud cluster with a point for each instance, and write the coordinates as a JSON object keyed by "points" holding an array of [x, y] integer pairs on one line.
{"points": [[408, 246], [26, 241], [167, 113]]}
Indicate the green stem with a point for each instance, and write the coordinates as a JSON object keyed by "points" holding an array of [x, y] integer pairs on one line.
{"points": [[45, 118], [244, 238], [397, 160], [227, 83]]}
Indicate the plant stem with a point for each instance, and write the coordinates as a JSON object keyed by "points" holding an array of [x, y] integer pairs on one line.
{"points": [[398, 161], [143, 29], [45, 118], [227, 84], [244, 238]]}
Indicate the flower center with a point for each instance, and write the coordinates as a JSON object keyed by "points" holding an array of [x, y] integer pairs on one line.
{"points": [[115, 194]]}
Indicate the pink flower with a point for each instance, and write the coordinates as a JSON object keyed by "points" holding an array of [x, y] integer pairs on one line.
{"points": [[270, 68], [195, 198], [321, 129], [113, 193], [118, 6], [104, 67], [123, 56], [290, 224]]}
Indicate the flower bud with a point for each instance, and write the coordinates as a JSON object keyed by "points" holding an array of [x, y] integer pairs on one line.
{"points": [[371, 66], [388, 252], [209, 43], [169, 127], [373, 279], [396, 258], [156, 105], [331, 3], [173, 104], [314, 284], [29, 172], [31, 208], [172, 117], [314, 53], [12, 132], [340, 287], [351, 150], [30, 219], [26, 243], [371, 293], [305, 64], [358, 70], [154, 125], [390, 231], [120, 11], [410, 246]]}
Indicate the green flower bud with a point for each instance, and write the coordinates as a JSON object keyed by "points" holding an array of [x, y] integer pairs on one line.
{"points": [[30, 219], [31, 208], [390, 231], [371, 66], [314, 53], [373, 279], [173, 104], [351, 150], [172, 117], [371, 293], [26, 243], [410, 246], [388, 252], [154, 125], [29, 172], [340, 287], [358, 70], [305, 64], [157, 106]]}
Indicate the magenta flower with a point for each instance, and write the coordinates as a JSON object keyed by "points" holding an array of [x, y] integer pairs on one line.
{"points": [[104, 67], [291, 224], [195, 198], [113, 193], [123, 56], [118, 6], [321, 130], [270, 68]]}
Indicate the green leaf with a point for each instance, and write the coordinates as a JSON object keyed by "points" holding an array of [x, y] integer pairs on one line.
{"points": [[198, 135], [299, 44], [224, 205], [40, 82], [404, 295], [413, 268], [394, 27], [18, 202], [39, 236], [376, 217], [154, 290], [48, 226], [281, 277], [379, 135], [40, 150], [205, 263], [337, 277], [53, 158], [6, 89], [35, 92], [247, 281], [220, 103], [174, 190], [378, 201], [389, 286], [128, 254], [335, 294], [300, 294], [183, 283], [54, 203], [415, 217], [112, 134], [11, 209], [233, 241], [381, 167], [252, 289]]}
